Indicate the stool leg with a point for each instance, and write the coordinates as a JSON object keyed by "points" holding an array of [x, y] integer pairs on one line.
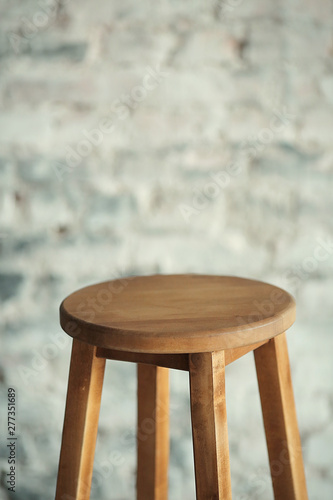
{"points": [[80, 425], [209, 426], [280, 421], [153, 432]]}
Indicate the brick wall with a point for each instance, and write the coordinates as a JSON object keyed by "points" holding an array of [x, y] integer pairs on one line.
{"points": [[158, 137]]}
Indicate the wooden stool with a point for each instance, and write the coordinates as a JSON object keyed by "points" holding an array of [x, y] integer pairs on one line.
{"points": [[188, 322]]}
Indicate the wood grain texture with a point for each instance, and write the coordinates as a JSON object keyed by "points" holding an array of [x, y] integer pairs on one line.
{"points": [[152, 433], [174, 361], [231, 355], [209, 426], [80, 424], [177, 313], [280, 421]]}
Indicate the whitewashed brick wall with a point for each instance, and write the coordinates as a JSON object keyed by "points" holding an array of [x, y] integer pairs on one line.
{"points": [[163, 136]]}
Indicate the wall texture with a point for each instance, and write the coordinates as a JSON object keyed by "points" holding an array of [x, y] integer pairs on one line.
{"points": [[143, 137]]}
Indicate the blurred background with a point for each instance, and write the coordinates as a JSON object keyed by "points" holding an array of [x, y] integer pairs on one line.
{"points": [[142, 137]]}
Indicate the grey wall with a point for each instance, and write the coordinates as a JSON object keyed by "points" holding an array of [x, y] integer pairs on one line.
{"points": [[219, 162]]}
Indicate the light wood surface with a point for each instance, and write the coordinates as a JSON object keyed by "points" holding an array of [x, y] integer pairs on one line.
{"points": [[209, 426], [280, 421], [188, 322], [152, 433], [177, 313], [174, 361], [231, 355], [80, 424]]}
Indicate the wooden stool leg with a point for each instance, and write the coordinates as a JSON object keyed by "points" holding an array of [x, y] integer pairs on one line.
{"points": [[280, 421], [153, 432], [81, 421], [209, 426]]}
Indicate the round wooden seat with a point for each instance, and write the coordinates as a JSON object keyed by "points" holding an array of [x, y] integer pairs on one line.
{"points": [[177, 313], [199, 324]]}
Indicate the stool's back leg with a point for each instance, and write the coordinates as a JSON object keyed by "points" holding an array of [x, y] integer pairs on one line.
{"points": [[153, 432], [209, 426], [81, 421], [280, 421]]}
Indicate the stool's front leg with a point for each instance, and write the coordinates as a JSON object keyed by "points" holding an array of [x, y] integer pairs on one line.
{"points": [[153, 432], [209, 426], [278, 408], [80, 424]]}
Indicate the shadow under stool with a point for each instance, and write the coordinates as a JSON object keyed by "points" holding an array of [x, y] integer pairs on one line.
{"points": [[189, 322]]}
